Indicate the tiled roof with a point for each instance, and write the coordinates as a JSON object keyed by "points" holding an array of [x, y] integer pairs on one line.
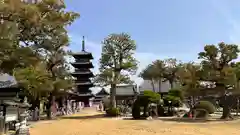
{"points": [[102, 92], [127, 90], [7, 81]]}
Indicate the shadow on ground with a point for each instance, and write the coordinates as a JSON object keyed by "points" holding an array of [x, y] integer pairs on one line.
{"points": [[97, 116], [184, 120]]}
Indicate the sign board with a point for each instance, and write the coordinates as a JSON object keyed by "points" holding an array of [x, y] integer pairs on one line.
{"points": [[11, 114]]}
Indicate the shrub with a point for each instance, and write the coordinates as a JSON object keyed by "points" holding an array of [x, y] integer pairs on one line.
{"points": [[151, 97], [201, 113], [175, 96], [176, 93], [136, 111], [208, 106], [112, 111]]}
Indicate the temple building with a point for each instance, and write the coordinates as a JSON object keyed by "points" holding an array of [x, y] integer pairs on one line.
{"points": [[100, 95], [83, 74]]}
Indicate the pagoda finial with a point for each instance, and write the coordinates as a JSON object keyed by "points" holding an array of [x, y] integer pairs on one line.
{"points": [[83, 44]]}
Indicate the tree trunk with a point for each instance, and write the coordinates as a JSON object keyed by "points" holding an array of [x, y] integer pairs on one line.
{"points": [[226, 109], [171, 84], [35, 103], [113, 96], [153, 87], [226, 113], [160, 85], [51, 100]]}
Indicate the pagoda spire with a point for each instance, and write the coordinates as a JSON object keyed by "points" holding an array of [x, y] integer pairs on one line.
{"points": [[83, 44]]}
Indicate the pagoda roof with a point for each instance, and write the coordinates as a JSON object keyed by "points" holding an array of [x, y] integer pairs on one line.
{"points": [[85, 94], [83, 83], [82, 54], [102, 92], [77, 64], [82, 73]]}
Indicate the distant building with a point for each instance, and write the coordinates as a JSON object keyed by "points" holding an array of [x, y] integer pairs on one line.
{"points": [[126, 92], [147, 85], [100, 95]]}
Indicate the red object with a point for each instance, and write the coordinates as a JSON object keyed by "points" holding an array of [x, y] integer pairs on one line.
{"points": [[190, 115]]}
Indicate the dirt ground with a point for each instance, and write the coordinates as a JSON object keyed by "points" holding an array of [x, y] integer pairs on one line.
{"points": [[90, 124]]}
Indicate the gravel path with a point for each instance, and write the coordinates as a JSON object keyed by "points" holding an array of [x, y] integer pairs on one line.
{"points": [[94, 124]]}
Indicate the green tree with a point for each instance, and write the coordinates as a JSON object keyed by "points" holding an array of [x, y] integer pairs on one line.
{"points": [[149, 74], [189, 76], [104, 78], [216, 63], [38, 32], [117, 58], [36, 82], [176, 97], [159, 70], [171, 69], [236, 67]]}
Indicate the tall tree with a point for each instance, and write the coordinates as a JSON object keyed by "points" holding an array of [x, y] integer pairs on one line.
{"points": [[149, 74], [54, 27], [170, 74], [216, 62], [36, 81], [39, 32], [189, 76], [236, 67], [117, 58], [104, 78], [159, 69]]}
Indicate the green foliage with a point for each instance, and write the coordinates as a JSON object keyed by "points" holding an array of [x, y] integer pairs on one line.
{"points": [[35, 80], [154, 72], [175, 96], [176, 93], [32, 40], [171, 69], [151, 97], [208, 106], [104, 78], [149, 74], [189, 76], [117, 53], [117, 62], [218, 69], [113, 111]]}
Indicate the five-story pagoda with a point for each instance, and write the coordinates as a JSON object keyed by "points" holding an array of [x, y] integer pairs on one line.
{"points": [[83, 74]]}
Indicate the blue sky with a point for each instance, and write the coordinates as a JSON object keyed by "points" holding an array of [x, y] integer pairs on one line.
{"points": [[161, 28]]}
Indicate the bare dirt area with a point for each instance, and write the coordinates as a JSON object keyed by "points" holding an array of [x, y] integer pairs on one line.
{"points": [[95, 124]]}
